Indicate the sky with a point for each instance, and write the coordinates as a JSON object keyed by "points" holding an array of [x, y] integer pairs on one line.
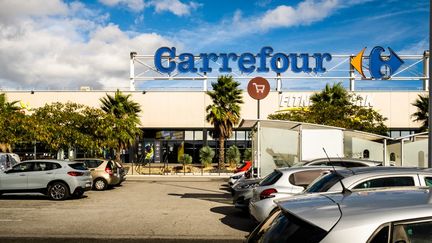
{"points": [[55, 44]]}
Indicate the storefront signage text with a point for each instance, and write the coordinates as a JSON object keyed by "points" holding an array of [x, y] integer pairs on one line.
{"points": [[167, 60]]}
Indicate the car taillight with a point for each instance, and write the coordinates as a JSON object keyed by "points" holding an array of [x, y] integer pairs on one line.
{"points": [[267, 193], [75, 173], [108, 170]]}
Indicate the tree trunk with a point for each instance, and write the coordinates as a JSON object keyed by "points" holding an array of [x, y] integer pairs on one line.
{"points": [[221, 152], [118, 153]]}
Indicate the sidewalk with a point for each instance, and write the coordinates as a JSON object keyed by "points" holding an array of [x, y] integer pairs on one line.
{"points": [[156, 170]]}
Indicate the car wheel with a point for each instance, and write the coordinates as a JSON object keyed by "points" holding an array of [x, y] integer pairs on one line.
{"points": [[58, 191], [100, 184]]}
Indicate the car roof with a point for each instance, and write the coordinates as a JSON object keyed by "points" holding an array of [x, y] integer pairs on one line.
{"points": [[335, 159], [380, 170], [315, 167], [373, 207], [51, 160]]}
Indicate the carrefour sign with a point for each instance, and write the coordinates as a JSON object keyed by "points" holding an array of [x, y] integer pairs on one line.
{"points": [[167, 60], [246, 62]]}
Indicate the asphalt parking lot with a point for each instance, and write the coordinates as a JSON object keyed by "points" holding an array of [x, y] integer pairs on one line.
{"points": [[144, 209]]}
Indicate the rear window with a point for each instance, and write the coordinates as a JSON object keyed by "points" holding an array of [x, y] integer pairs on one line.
{"points": [[304, 178], [287, 228], [93, 163], [271, 178], [78, 166], [324, 183]]}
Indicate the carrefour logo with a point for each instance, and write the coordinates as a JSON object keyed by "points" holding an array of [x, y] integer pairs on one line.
{"points": [[380, 67]]}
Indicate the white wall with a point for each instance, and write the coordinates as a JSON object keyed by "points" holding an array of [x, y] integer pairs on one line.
{"points": [[314, 140], [279, 148]]}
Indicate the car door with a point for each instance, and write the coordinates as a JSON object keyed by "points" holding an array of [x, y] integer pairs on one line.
{"points": [[40, 175], [16, 178]]}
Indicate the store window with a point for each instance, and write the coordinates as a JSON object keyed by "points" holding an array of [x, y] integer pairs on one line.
{"points": [[189, 135]]}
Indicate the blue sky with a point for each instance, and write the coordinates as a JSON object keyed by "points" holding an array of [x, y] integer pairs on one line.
{"points": [[67, 44]]}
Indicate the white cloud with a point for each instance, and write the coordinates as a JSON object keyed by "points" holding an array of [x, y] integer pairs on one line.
{"points": [[12, 10], [175, 6], [133, 5], [305, 13], [238, 26], [66, 52]]}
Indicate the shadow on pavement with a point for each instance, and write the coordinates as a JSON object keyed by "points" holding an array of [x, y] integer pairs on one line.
{"points": [[34, 197], [235, 218], [212, 197]]}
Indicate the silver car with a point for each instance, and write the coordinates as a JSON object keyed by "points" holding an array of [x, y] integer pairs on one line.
{"points": [[290, 180], [352, 179], [375, 216], [56, 178]]}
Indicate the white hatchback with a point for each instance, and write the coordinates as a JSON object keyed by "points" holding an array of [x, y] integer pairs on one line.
{"points": [[56, 178]]}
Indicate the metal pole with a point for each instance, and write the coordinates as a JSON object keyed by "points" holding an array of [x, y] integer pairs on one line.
{"points": [[34, 149], [430, 91], [385, 153], [258, 109], [132, 72], [278, 75], [352, 76]]}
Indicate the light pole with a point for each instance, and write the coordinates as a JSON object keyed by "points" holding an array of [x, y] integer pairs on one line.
{"points": [[430, 95]]}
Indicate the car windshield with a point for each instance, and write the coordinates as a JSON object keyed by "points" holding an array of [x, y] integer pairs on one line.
{"points": [[299, 164], [285, 227], [271, 178], [323, 183], [78, 166]]}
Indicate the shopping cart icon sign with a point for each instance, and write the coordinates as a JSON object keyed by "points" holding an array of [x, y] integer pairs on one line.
{"points": [[258, 88]]}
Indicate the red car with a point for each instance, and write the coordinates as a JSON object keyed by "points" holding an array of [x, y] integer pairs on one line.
{"points": [[244, 167]]}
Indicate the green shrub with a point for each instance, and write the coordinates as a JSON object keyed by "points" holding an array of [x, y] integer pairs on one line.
{"points": [[206, 155], [233, 155]]}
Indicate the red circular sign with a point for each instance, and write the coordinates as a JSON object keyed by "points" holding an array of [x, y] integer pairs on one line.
{"points": [[258, 88]]}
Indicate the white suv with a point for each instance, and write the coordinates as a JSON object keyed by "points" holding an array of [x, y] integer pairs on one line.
{"points": [[56, 178]]}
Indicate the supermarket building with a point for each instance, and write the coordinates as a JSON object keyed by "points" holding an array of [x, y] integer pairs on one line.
{"points": [[174, 119]]}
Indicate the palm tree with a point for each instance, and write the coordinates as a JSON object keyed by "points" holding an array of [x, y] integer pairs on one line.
{"points": [[8, 106], [126, 119], [120, 105], [224, 113], [206, 155], [422, 113], [334, 95]]}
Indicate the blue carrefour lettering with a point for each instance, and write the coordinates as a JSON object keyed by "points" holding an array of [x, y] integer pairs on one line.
{"points": [[319, 59], [376, 62], [164, 60], [305, 63], [283, 62], [187, 63], [246, 59], [158, 59]]}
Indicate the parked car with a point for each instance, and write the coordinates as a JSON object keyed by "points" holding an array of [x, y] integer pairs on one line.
{"points": [[291, 180], [236, 177], [353, 179], [375, 216], [104, 172], [242, 192], [342, 162], [244, 167], [7, 160], [56, 178]]}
